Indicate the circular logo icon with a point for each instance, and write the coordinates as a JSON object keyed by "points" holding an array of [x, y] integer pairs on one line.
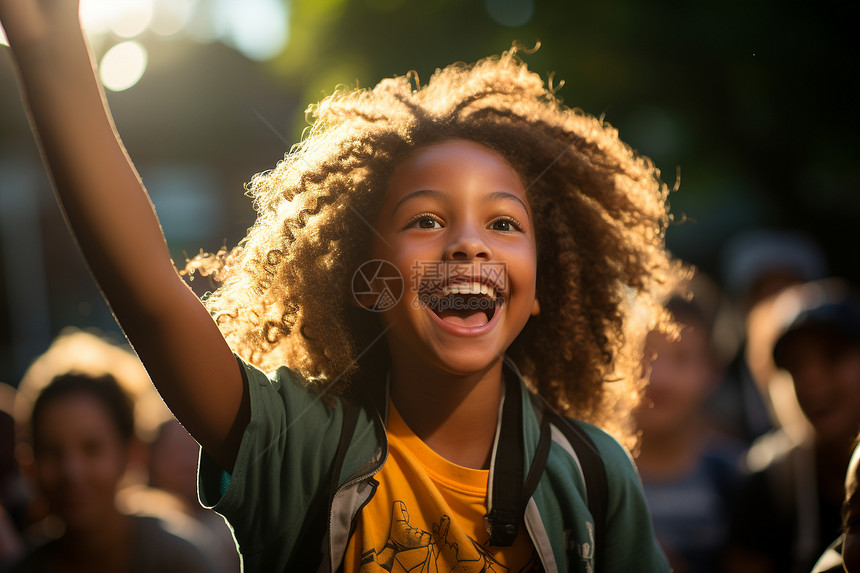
{"points": [[377, 285]]}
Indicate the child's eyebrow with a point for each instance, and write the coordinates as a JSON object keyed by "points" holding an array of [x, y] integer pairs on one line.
{"points": [[433, 194], [497, 195]]}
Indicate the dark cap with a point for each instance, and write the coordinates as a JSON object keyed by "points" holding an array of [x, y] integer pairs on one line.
{"points": [[836, 313]]}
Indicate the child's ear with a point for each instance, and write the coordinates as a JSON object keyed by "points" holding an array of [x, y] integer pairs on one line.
{"points": [[536, 307]]}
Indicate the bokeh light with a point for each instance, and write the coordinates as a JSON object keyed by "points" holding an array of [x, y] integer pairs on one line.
{"points": [[101, 16], [122, 66], [257, 28], [134, 20], [510, 13], [170, 17]]}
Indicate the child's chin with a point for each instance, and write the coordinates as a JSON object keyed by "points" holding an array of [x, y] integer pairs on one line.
{"points": [[464, 362]]}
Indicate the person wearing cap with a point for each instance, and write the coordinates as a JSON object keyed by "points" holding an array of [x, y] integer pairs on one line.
{"points": [[789, 509], [756, 264]]}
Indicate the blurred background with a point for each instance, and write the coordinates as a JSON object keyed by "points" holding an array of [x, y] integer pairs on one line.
{"points": [[751, 102]]}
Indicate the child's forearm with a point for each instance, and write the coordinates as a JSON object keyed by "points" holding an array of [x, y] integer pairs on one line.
{"points": [[112, 218], [98, 187]]}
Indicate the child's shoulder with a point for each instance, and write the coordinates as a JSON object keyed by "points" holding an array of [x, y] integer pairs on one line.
{"points": [[281, 395], [275, 378]]}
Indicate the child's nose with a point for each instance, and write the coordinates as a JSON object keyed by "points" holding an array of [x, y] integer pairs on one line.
{"points": [[467, 243]]}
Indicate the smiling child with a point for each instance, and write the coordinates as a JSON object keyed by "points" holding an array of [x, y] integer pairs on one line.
{"points": [[421, 431]]}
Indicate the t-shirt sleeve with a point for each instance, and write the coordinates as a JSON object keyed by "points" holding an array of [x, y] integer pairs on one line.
{"points": [[630, 543], [283, 459]]}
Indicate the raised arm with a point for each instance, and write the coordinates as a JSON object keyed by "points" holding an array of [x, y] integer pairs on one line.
{"points": [[111, 216]]}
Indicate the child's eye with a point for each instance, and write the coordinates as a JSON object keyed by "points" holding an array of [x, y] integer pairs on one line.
{"points": [[425, 221], [506, 224]]}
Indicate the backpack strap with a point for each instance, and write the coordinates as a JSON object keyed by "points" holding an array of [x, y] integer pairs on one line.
{"points": [[594, 472], [538, 462], [506, 513]]}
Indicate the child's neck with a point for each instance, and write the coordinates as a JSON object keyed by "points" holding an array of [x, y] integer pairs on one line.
{"points": [[454, 415]]}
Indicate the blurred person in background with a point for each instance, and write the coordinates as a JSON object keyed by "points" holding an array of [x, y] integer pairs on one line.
{"points": [[844, 553], [91, 358], [13, 497], [93, 355], [80, 430], [756, 265], [169, 494], [161, 477], [689, 470], [173, 469], [788, 509], [11, 547]]}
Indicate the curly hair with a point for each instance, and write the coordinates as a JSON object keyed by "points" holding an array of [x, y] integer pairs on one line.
{"points": [[602, 266]]}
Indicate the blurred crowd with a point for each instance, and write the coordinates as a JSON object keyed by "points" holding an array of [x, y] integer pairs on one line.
{"points": [[747, 431], [752, 413], [95, 473]]}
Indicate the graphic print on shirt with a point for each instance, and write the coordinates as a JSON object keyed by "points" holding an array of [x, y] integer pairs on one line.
{"points": [[414, 550], [585, 550]]}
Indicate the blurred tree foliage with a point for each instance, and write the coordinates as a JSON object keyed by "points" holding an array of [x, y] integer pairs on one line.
{"points": [[752, 100]]}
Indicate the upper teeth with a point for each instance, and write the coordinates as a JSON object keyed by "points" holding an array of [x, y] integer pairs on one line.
{"points": [[469, 288]]}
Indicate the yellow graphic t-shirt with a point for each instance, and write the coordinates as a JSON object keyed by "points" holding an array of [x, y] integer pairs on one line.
{"points": [[427, 516]]}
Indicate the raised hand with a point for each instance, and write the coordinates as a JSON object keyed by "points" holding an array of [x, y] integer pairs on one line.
{"points": [[117, 231]]}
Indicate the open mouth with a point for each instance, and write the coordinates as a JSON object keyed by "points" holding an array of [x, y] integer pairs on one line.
{"points": [[469, 304]]}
